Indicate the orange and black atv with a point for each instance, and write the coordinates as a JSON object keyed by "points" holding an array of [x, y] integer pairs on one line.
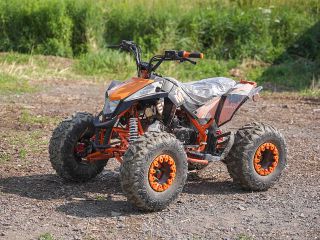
{"points": [[158, 128]]}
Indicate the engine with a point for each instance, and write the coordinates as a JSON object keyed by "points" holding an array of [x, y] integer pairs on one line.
{"points": [[185, 135]]}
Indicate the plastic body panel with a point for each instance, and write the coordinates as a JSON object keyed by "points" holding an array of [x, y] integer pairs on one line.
{"points": [[128, 88], [232, 101]]}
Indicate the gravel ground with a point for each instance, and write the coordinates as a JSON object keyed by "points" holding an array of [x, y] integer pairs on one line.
{"points": [[34, 201]]}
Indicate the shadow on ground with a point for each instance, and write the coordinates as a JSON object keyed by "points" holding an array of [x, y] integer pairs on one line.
{"points": [[107, 200], [50, 186]]}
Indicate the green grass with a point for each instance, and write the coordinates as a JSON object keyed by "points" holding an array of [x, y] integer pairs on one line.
{"points": [[24, 143], [15, 58], [281, 33], [4, 157], [313, 93], [14, 84], [222, 29], [244, 237], [297, 74], [46, 236], [100, 198], [115, 65], [106, 63], [27, 118]]}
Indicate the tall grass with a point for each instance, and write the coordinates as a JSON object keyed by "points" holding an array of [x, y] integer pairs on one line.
{"points": [[54, 27], [223, 29], [227, 31]]}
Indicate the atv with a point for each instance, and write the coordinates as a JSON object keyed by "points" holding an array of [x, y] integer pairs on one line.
{"points": [[159, 128]]}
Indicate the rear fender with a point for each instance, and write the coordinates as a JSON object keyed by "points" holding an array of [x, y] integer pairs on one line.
{"points": [[233, 100]]}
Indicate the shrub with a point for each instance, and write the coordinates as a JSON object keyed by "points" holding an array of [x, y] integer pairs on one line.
{"points": [[39, 26], [55, 27]]}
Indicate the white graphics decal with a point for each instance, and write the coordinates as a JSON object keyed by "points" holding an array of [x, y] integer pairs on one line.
{"points": [[178, 96]]}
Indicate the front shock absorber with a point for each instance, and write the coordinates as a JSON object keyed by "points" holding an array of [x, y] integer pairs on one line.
{"points": [[133, 129]]}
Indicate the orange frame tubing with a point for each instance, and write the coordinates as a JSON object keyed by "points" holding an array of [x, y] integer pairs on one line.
{"points": [[202, 137], [118, 151], [195, 160]]}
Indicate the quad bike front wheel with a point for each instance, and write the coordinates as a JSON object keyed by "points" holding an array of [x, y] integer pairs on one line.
{"points": [[258, 157], [69, 145], [154, 171]]}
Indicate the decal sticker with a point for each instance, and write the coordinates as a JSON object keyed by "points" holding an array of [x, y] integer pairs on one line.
{"points": [[179, 96]]}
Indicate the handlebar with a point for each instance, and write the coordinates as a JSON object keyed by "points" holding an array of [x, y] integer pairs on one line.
{"points": [[169, 55]]}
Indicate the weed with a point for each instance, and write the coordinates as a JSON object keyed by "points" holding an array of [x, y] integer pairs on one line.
{"points": [[100, 198], [46, 236], [244, 237], [22, 153], [4, 157]]}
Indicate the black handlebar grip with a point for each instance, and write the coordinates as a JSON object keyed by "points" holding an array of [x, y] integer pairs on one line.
{"points": [[185, 54]]}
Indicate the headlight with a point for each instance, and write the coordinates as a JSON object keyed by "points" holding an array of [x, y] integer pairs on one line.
{"points": [[110, 106]]}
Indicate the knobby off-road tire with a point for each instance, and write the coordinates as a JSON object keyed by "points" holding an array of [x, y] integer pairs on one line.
{"points": [[136, 167], [62, 145], [240, 160]]}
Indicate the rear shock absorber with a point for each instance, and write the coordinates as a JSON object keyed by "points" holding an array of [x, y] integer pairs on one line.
{"points": [[133, 129]]}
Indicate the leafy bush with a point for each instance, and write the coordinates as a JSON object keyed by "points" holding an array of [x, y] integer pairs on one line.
{"points": [[39, 26], [222, 29], [55, 27]]}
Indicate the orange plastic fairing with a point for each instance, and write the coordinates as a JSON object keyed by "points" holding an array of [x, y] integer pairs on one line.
{"points": [[248, 82], [128, 88]]}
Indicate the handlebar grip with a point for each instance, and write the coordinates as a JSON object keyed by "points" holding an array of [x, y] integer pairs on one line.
{"points": [[186, 54]]}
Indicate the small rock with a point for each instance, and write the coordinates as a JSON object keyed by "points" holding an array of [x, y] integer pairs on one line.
{"points": [[121, 218], [115, 214], [78, 199], [2, 234], [241, 208], [120, 225]]}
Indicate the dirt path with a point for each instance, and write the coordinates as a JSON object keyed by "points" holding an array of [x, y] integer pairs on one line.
{"points": [[34, 201]]}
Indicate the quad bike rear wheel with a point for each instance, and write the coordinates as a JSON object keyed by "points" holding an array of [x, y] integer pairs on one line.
{"points": [[69, 144], [258, 157], [154, 171]]}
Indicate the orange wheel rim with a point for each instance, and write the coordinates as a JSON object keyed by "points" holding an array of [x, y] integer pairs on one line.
{"points": [[162, 173], [266, 159]]}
